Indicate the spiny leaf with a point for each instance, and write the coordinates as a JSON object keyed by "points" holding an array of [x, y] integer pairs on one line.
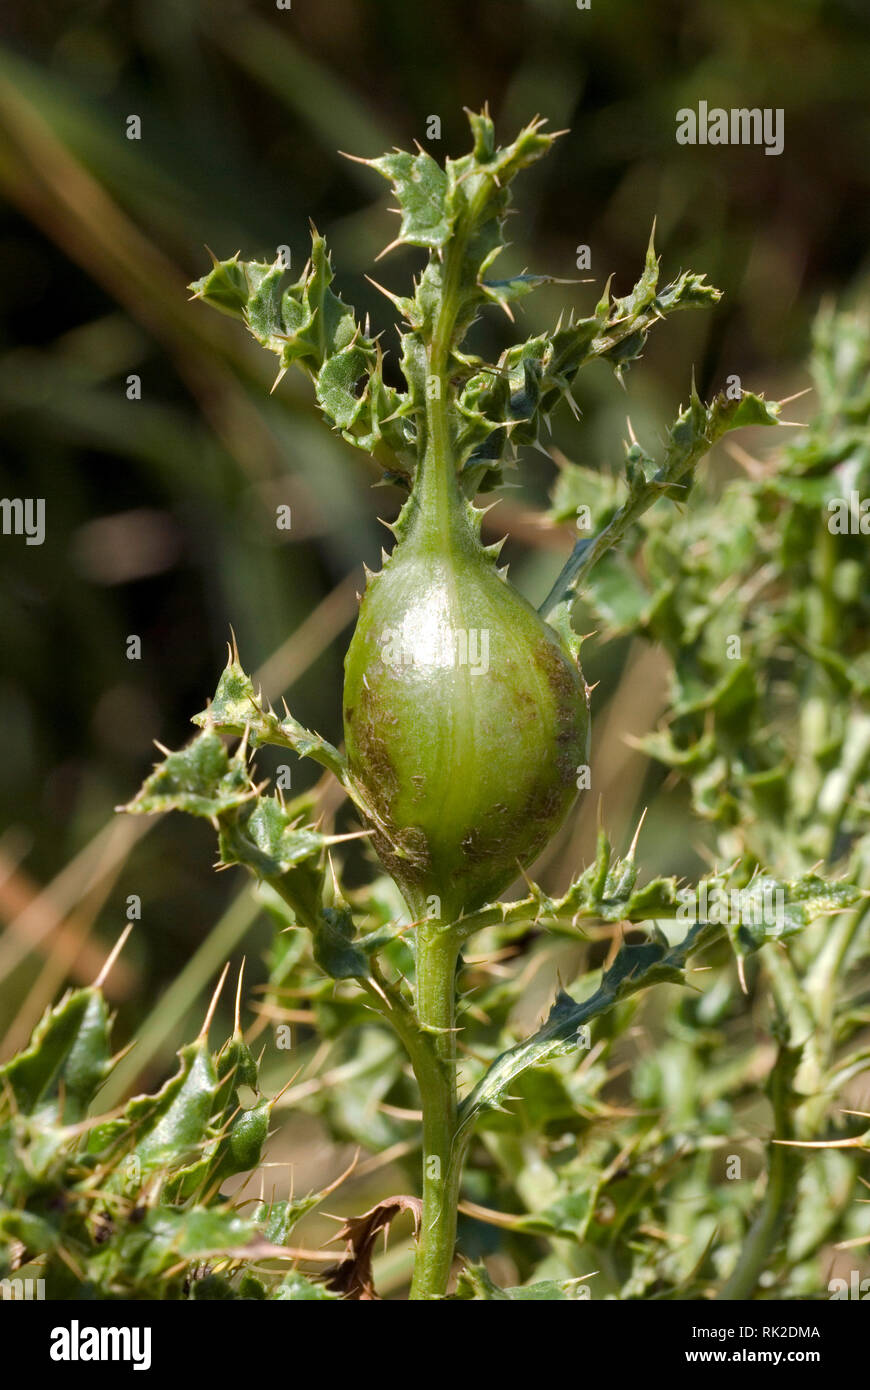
{"points": [[457, 208], [235, 1136], [421, 189], [336, 386], [605, 891], [267, 840], [165, 1239], [257, 831], [159, 1133], [111, 1192], [352, 1277], [769, 908], [201, 780], [237, 709], [693, 434], [334, 948], [780, 909], [309, 325], [507, 292], [474, 1283], [69, 1052], [277, 1219]]}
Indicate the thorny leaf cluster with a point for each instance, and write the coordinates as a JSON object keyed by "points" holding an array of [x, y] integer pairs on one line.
{"points": [[129, 1204]]}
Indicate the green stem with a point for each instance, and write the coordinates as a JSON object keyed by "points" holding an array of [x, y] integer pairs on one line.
{"points": [[442, 1162], [820, 619], [679, 465], [428, 1035], [437, 950], [771, 1223]]}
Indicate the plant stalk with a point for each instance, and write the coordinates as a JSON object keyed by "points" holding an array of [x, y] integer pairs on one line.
{"points": [[442, 1161], [770, 1226], [437, 950]]}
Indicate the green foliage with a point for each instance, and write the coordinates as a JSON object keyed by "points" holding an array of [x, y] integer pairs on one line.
{"points": [[690, 582], [474, 1283], [257, 831], [129, 1205], [775, 737], [497, 405], [545, 1138], [656, 961], [690, 438]]}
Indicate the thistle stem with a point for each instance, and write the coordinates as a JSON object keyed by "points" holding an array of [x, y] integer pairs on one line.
{"points": [[678, 467], [770, 1226], [436, 971], [437, 950]]}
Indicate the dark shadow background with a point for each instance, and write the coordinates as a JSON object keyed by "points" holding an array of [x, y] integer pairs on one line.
{"points": [[161, 511]]}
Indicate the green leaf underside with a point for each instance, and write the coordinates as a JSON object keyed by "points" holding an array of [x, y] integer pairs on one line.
{"points": [[767, 909]]}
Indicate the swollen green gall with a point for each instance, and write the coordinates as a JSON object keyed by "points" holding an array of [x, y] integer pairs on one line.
{"points": [[465, 717]]}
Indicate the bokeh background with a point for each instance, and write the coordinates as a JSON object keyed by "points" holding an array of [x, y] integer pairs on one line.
{"points": [[161, 511]]}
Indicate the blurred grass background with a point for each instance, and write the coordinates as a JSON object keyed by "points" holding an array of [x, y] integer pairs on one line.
{"points": [[161, 512]]}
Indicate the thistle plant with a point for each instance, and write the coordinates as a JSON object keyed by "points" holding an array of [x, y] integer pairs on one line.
{"points": [[466, 739]]}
